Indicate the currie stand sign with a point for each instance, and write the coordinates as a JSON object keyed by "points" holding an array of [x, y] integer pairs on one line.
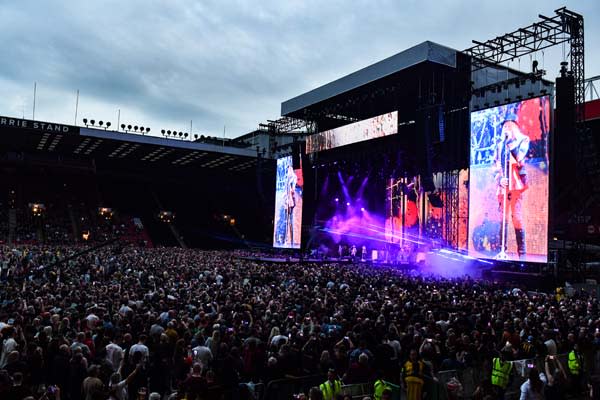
{"points": [[18, 123]]}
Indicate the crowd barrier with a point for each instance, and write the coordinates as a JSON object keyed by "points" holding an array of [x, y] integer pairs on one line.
{"points": [[288, 387], [471, 378], [441, 388]]}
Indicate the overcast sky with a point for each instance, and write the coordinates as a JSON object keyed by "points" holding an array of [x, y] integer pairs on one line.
{"points": [[225, 63]]}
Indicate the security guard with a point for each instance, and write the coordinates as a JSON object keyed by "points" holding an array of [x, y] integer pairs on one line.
{"points": [[501, 369], [379, 387], [332, 387], [575, 363]]}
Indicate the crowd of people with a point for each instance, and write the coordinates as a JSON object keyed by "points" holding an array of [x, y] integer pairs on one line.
{"points": [[123, 322], [56, 225]]}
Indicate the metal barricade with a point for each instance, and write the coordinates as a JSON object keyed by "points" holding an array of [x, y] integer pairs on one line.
{"points": [[471, 378]]}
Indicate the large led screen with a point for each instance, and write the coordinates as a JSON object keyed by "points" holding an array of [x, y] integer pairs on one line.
{"points": [[508, 184], [372, 128], [288, 205]]}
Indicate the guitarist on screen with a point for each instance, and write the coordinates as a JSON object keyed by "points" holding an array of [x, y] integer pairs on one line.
{"points": [[290, 203], [511, 181]]}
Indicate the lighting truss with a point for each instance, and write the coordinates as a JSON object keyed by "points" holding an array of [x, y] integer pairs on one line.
{"points": [[564, 27]]}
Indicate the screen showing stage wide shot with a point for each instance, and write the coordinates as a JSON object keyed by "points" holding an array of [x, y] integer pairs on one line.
{"points": [[508, 184], [372, 128], [288, 205]]}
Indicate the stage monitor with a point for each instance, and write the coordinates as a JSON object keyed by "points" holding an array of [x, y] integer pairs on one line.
{"points": [[287, 222], [372, 128], [508, 183]]}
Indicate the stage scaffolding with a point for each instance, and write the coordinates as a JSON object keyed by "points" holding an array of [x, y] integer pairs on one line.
{"points": [[439, 226]]}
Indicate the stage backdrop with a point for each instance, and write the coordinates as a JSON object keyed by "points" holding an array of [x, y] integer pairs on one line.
{"points": [[509, 181], [287, 221]]}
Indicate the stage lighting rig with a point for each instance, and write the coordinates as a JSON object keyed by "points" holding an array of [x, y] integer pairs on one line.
{"points": [[105, 212], [37, 209], [166, 217]]}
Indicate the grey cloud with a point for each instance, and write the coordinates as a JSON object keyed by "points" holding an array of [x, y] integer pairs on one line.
{"points": [[232, 63]]}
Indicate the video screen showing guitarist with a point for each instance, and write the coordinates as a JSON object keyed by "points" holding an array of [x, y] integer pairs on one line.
{"points": [[290, 203], [511, 182]]}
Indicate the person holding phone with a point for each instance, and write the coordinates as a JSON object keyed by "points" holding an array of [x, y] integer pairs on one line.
{"points": [[557, 378], [533, 388]]}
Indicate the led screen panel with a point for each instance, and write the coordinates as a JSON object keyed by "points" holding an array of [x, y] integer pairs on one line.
{"points": [[287, 222], [508, 184], [372, 128]]}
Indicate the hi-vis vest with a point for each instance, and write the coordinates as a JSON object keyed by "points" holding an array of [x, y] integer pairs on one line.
{"points": [[574, 363], [329, 390], [500, 372], [380, 386]]}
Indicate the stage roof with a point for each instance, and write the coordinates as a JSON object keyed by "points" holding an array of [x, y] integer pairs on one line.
{"points": [[424, 52]]}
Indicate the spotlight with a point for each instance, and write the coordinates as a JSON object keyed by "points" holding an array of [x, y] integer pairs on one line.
{"points": [[147, 130], [362, 209], [92, 122], [85, 121], [129, 127], [100, 123], [123, 126], [348, 204], [337, 200]]}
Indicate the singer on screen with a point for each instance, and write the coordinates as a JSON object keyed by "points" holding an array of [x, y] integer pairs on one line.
{"points": [[511, 182]]}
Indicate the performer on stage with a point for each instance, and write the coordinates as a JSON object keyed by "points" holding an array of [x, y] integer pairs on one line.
{"points": [[363, 253], [353, 252], [340, 251], [511, 182]]}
